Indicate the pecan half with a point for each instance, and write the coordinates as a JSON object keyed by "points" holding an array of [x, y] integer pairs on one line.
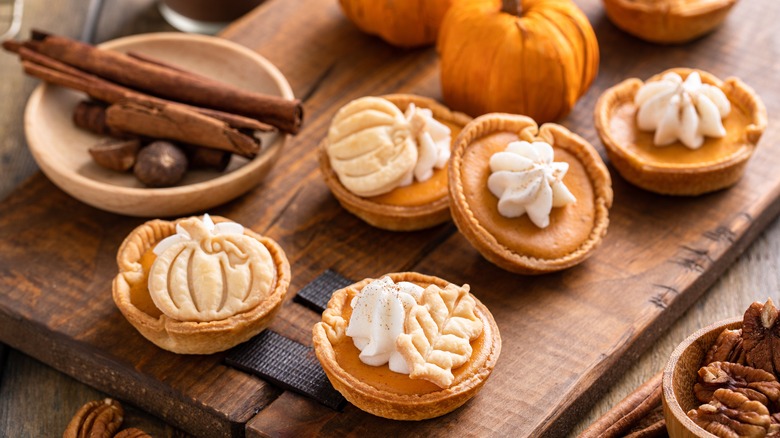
{"points": [[761, 337], [727, 348], [96, 419], [732, 415], [753, 383]]}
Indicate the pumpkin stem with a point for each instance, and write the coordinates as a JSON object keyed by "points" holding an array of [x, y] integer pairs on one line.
{"points": [[513, 7]]}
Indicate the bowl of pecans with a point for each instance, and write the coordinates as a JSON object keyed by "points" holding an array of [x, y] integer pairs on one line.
{"points": [[722, 380]]}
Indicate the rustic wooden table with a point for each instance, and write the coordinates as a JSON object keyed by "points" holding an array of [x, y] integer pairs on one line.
{"points": [[36, 400]]}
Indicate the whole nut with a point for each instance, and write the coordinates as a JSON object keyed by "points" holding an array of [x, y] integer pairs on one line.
{"points": [[161, 164]]}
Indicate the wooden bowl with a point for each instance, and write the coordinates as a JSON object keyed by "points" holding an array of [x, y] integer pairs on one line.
{"points": [[680, 375], [60, 148]]}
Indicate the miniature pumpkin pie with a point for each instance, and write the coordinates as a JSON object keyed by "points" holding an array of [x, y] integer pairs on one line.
{"points": [[385, 160], [197, 285], [407, 346], [530, 199], [668, 21], [682, 132]]}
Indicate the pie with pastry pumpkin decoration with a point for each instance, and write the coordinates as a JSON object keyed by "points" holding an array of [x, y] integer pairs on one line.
{"points": [[407, 346], [199, 285], [385, 160], [530, 199], [681, 132]]}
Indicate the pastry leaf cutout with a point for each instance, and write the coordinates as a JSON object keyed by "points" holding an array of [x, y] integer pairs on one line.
{"points": [[438, 332]]}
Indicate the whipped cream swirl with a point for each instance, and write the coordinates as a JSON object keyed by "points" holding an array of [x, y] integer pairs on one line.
{"points": [[681, 110], [182, 235], [433, 140], [527, 181], [378, 314]]}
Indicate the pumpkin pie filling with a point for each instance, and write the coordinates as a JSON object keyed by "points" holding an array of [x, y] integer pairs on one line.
{"points": [[624, 130], [421, 192], [570, 225], [381, 377], [139, 291]]}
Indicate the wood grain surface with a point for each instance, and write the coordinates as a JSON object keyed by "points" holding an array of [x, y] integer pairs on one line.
{"points": [[566, 337]]}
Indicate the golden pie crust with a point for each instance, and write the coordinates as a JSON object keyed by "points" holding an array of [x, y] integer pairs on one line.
{"points": [[516, 244], [667, 21], [675, 169], [131, 295], [381, 392], [415, 207]]}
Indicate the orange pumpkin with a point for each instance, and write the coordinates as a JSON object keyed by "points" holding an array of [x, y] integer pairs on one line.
{"points": [[403, 23], [535, 62]]}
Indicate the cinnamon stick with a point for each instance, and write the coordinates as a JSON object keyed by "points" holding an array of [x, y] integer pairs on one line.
{"points": [[58, 73], [91, 116], [176, 122], [173, 84], [620, 420]]}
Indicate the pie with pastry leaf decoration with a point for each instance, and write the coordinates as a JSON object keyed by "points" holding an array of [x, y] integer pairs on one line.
{"points": [[407, 346], [199, 285], [530, 199], [685, 167], [380, 163]]}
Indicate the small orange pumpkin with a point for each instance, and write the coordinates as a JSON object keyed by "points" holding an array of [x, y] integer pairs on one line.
{"points": [[497, 57], [403, 23]]}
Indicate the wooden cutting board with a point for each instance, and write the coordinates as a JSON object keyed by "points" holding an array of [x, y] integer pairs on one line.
{"points": [[566, 336]]}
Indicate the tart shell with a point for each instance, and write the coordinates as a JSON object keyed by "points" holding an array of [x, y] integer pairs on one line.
{"points": [[527, 129], [680, 179], [189, 337], [668, 22], [386, 216], [332, 329]]}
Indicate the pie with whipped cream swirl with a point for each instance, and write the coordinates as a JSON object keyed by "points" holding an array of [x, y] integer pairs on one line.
{"points": [[681, 132], [530, 199], [385, 160]]}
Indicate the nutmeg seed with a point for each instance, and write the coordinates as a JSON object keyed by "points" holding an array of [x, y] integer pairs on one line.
{"points": [[161, 164]]}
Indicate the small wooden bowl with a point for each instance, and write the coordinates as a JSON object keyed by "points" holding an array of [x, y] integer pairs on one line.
{"points": [[680, 375], [60, 148]]}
